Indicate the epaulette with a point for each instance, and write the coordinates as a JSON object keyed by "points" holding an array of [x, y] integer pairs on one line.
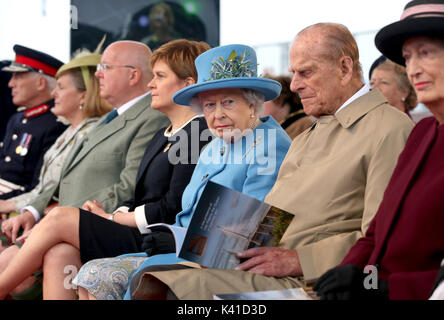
{"points": [[36, 111]]}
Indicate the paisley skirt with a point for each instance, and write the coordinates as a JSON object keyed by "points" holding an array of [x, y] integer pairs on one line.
{"points": [[107, 279]]}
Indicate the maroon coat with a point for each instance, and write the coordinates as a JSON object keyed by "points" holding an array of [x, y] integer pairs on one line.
{"points": [[405, 239]]}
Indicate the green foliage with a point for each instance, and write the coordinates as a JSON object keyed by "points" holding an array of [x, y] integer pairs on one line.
{"points": [[280, 224], [235, 66]]}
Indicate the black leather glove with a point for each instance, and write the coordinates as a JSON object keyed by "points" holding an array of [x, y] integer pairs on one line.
{"points": [[158, 242], [347, 283]]}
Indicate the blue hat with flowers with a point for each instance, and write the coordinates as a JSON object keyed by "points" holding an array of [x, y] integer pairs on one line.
{"points": [[230, 66]]}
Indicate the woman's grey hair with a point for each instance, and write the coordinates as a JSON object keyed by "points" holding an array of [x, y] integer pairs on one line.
{"points": [[253, 97]]}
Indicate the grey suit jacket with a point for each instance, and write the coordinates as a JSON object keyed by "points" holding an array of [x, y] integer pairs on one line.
{"points": [[104, 165]]}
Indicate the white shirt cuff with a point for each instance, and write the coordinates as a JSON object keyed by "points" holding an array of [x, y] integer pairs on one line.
{"points": [[122, 209], [139, 214], [438, 294], [34, 212]]}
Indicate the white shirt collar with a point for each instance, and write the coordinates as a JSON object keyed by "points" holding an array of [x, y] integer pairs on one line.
{"points": [[365, 88], [170, 134], [130, 103]]}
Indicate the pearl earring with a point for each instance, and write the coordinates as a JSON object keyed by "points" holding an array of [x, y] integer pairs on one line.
{"points": [[81, 107], [252, 116]]}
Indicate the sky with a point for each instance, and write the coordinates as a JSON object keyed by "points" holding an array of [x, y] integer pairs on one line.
{"points": [[45, 24], [279, 20]]}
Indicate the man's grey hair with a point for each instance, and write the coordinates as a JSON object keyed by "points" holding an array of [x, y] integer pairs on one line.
{"points": [[338, 42], [50, 81]]}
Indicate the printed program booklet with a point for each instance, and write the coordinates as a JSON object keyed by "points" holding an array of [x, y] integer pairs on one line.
{"points": [[226, 222]]}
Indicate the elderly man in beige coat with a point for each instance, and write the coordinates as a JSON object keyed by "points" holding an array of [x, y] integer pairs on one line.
{"points": [[332, 179]]}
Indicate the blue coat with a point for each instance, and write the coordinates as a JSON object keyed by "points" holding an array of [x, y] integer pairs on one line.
{"points": [[249, 165]]}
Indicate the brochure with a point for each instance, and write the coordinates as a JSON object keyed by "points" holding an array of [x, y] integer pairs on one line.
{"points": [[227, 222]]}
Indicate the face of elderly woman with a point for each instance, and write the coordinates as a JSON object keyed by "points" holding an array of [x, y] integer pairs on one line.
{"points": [[385, 80], [227, 112], [424, 58]]}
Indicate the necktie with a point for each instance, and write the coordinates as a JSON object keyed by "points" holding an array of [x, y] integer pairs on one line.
{"points": [[111, 116]]}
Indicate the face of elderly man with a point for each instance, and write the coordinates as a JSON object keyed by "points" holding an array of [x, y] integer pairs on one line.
{"points": [[318, 79], [125, 71], [24, 87]]}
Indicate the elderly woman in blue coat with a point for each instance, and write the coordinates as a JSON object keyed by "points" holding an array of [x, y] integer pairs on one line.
{"points": [[245, 156]]}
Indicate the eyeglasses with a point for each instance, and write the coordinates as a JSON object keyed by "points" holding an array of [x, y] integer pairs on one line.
{"points": [[105, 67]]}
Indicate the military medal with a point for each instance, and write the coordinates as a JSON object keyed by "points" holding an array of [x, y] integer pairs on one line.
{"points": [[19, 148], [25, 148], [168, 146]]}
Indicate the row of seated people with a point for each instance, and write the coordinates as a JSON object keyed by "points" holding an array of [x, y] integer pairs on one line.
{"points": [[80, 108], [340, 178]]}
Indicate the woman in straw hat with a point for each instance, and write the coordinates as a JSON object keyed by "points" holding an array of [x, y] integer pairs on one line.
{"points": [[77, 100], [231, 97], [404, 242]]}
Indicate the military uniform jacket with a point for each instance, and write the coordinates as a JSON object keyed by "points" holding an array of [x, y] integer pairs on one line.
{"points": [[54, 159], [333, 180], [28, 136], [104, 165]]}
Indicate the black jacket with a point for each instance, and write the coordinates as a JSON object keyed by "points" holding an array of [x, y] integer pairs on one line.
{"points": [[160, 183], [37, 131]]}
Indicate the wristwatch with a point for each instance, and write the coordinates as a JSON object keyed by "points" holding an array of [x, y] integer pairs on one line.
{"points": [[111, 216]]}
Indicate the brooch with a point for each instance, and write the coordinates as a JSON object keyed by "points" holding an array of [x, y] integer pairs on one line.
{"points": [[168, 146]]}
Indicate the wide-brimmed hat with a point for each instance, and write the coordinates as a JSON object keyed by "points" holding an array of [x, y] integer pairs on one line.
{"points": [[420, 18], [83, 62], [376, 64], [224, 67]]}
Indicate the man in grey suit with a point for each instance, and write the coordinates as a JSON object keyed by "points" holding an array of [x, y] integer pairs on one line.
{"points": [[104, 166]]}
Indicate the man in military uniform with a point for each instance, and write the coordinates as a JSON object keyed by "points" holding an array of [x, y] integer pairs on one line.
{"points": [[32, 130]]}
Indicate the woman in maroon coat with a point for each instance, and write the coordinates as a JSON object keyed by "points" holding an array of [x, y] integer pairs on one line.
{"points": [[404, 242]]}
